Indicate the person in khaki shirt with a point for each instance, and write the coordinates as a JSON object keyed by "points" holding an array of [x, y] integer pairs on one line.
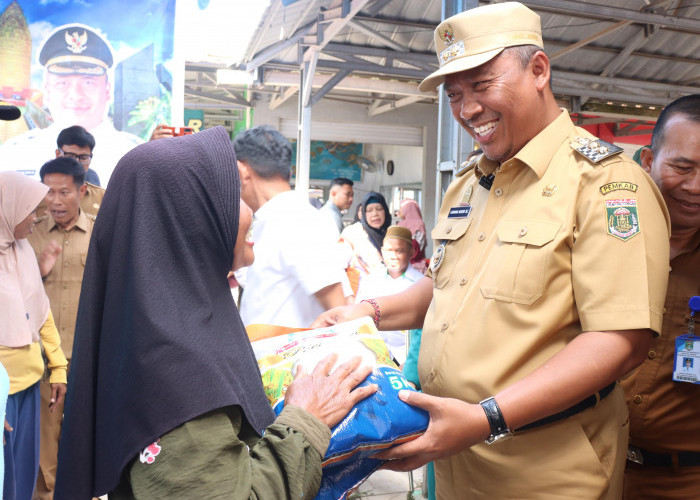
{"points": [[60, 241], [76, 142], [546, 286], [664, 454]]}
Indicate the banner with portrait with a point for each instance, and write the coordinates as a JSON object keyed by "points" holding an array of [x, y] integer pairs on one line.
{"points": [[105, 65]]}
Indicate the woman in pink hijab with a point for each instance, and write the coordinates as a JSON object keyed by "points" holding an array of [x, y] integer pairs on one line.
{"points": [[412, 219], [25, 317]]}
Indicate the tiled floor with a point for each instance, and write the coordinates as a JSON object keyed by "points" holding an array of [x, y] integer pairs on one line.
{"points": [[389, 485]]}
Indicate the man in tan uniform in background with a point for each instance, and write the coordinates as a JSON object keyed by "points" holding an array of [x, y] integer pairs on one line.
{"points": [[546, 286], [60, 240], [76, 142], [664, 455]]}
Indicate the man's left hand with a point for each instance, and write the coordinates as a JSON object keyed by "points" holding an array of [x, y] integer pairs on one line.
{"points": [[58, 392]]}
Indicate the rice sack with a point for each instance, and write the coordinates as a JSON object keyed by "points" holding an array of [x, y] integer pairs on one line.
{"points": [[376, 423]]}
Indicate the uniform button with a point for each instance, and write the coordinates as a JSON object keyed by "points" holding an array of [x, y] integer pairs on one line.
{"points": [[670, 269], [463, 281], [481, 237], [652, 354], [523, 231], [637, 399], [444, 326], [665, 310], [498, 192], [65, 287], [448, 230], [67, 242]]}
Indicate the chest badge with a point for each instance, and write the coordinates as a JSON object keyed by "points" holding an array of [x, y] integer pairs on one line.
{"points": [[437, 258], [549, 190], [467, 195]]}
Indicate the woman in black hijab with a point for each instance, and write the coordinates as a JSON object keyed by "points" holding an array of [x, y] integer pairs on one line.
{"points": [[165, 396], [366, 236]]}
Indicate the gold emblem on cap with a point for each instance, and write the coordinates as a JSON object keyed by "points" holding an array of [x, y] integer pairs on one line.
{"points": [[76, 43], [447, 34]]}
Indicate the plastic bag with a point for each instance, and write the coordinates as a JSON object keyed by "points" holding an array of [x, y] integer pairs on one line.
{"points": [[376, 423]]}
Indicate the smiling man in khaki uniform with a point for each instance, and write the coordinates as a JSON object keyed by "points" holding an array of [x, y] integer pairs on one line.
{"points": [[548, 282]]}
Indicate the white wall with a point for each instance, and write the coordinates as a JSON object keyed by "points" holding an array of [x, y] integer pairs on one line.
{"points": [[413, 164]]}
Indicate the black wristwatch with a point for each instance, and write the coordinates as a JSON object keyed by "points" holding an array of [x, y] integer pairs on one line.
{"points": [[499, 428]]}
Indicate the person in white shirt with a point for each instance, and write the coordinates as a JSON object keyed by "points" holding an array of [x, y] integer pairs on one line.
{"points": [[397, 251], [339, 201], [297, 272]]}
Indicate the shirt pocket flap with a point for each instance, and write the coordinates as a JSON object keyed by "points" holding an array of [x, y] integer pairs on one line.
{"points": [[450, 229], [528, 231]]}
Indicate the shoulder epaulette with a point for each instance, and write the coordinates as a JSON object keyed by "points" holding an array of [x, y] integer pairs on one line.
{"points": [[90, 216], [467, 165], [42, 218], [595, 150]]}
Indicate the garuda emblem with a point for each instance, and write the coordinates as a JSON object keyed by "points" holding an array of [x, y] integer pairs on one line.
{"points": [[76, 43]]}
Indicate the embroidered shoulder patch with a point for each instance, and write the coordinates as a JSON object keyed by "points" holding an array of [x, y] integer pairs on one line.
{"points": [[617, 186], [149, 453], [623, 221]]}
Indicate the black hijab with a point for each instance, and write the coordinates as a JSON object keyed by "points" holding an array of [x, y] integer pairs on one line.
{"points": [[158, 338], [376, 236]]}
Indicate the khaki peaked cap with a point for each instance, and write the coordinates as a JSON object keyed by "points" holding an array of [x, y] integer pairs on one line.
{"points": [[474, 37]]}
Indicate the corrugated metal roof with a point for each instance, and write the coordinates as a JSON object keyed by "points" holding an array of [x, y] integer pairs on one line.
{"points": [[635, 54]]}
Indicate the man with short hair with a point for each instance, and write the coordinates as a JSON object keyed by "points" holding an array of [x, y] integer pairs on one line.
{"points": [[76, 142], [339, 201], [397, 252], [77, 91], [60, 240], [664, 453], [296, 274], [546, 284]]}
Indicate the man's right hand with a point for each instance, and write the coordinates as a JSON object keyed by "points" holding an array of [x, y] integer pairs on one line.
{"points": [[342, 314], [48, 257], [161, 132], [330, 396]]}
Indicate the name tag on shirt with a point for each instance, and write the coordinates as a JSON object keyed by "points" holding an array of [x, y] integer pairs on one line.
{"points": [[459, 212], [686, 363]]}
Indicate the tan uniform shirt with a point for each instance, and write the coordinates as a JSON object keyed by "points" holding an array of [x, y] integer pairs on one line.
{"points": [[533, 266], [63, 283], [90, 203], [665, 415]]}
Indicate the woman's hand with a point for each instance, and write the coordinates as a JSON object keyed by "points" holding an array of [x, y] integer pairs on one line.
{"points": [[330, 396], [342, 314], [58, 392]]}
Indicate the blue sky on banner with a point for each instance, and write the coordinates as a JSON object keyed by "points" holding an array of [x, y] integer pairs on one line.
{"points": [[127, 26]]}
